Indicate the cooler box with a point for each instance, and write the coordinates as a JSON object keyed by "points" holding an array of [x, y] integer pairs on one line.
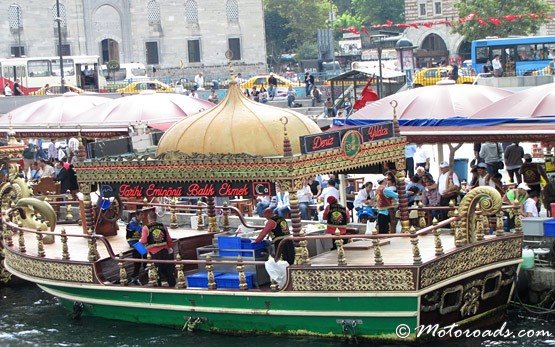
{"points": [[231, 280], [230, 246], [549, 227], [533, 226], [200, 279]]}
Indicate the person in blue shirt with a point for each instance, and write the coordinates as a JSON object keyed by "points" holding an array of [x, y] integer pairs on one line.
{"points": [[385, 196], [133, 235], [410, 149]]}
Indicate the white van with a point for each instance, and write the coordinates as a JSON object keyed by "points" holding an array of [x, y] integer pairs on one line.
{"points": [[128, 72]]}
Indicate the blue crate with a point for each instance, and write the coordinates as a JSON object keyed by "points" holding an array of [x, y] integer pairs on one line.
{"points": [[200, 279], [231, 280], [549, 228], [229, 242]]}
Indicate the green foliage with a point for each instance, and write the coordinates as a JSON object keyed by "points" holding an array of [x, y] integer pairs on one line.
{"points": [[379, 11], [485, 9], [308, 50], [346, 20]]}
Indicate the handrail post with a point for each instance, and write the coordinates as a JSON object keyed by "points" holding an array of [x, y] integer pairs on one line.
{"points": [[518, 218], [93, 252], [304, 250], [499, 224], [241, 274], [340, 251], [173, 214], [181, 283], [200, 221], [460, 240], [65, 251], [21, 242], [152, 272], [122, 271], [421, 215], [225, 224], [416, 258], [377, 250], [69, 208], [40, 244], [210, 273], [452, 213]]}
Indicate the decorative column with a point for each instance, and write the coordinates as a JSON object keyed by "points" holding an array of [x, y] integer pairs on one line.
{"points": [[212, 225], [396, 128], [226, 217], [87, 207], [403, 202]]}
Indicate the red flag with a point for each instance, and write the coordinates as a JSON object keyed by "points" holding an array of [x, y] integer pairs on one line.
{"points": [[376, 26], [510, 18], [482, 22], [494, 21], [402, 25], [364, 30], [469, 17], [533, 15], [428, 24], [414, 25], [354, 30], [388, 23]]}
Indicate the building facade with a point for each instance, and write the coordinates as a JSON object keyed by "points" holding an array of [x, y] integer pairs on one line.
{"points": [[438, 43], [178, 37]]}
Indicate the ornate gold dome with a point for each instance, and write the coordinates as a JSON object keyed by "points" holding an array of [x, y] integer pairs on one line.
{"points": [[237, 125]]}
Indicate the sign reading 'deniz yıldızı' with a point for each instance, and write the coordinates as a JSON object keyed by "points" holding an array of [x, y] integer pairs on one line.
{"points": [[198, 189], [332, 139]]}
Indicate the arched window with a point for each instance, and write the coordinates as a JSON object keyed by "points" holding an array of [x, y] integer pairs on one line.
{"points": [[191, 12], [232, 10], [153, 12], [14, 17], [63, 15]]}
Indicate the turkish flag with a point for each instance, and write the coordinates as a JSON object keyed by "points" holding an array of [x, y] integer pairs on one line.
{"points": [[482, 22], [388, 23], [428, 24], [364, 30], [354, 30], [510, 18], [469, 17]]}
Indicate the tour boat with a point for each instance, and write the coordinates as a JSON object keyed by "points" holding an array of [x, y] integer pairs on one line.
{"points": [[454, 271]]}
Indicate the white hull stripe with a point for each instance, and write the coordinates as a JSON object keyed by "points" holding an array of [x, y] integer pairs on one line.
{"points": [[144, 305]]}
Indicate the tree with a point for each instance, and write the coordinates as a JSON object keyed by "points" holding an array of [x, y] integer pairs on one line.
{"points": [[300, 20], [277, 33], [379, 11], [481, 18]]}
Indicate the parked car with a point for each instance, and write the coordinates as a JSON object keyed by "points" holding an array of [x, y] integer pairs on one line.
{"points": [[260, 81], [137, 87], [57, 90], [430, 76]]}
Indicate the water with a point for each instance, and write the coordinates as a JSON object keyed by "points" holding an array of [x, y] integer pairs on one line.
{"points": [[31, 317]]}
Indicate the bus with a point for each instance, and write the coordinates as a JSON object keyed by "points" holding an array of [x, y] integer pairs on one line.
{"points": [[128, 72], [519, 56], [82, 71]]}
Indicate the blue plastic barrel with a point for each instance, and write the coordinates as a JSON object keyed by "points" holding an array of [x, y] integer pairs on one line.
{"points": [[461, 168]]}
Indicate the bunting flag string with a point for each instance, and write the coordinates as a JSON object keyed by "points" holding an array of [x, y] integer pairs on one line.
{"points": [[483, 22]]}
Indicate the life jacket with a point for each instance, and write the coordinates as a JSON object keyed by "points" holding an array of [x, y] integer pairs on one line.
{"points": [[156, 235], [337, 215], [281, 229], [337, 219], [530, 173], [383, 202], [133, 230]]}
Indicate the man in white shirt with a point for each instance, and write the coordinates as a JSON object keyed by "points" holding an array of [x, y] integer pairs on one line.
{"points": [[283, 205], [365, 196], [7, 90], [531, 204], [497, 67], [305, 198], [448, 187], [199, 81], [52, 151], [422, 157], [330, 190]]}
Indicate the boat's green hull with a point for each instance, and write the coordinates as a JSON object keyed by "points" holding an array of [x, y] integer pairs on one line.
{"points": [[342, 315]]}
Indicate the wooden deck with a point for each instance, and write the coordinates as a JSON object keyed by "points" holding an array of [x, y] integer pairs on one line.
{"points": [[78, 247], [394, 250]]}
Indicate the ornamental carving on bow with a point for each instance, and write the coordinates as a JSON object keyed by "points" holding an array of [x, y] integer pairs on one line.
{"points": [[68, 272], [470, 258]]}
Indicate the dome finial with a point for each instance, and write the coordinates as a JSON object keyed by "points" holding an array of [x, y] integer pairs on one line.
{"points": [[396, 128], [287, 151], [229, 56], [11, 133]]}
